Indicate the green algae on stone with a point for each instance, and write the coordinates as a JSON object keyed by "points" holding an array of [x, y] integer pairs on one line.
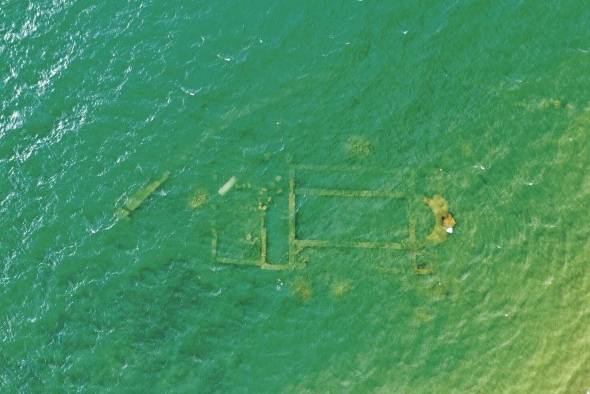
{"points": [[137, 199], [443, 220]]}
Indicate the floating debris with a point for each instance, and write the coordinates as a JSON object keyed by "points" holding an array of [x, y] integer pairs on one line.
{"points": [[136, 200], [227, 186]]}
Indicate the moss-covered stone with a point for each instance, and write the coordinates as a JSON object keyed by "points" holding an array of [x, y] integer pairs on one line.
{"points": [[443, 219]]}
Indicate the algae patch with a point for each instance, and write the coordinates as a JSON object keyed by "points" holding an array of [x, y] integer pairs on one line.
{"points": [[302, 289], [358, 147], [198, 200], [340, 288]]}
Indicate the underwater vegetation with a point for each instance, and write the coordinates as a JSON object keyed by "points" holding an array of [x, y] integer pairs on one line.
{"points": [[302, 289], [198, 200], [422, 269], [358, 147], [340, 287], [546, 104]]}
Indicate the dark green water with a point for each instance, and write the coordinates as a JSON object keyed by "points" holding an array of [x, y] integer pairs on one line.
{"points": [[484, 103]]}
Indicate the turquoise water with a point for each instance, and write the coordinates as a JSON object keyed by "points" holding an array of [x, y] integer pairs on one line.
{"points": [[485, 104]]}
